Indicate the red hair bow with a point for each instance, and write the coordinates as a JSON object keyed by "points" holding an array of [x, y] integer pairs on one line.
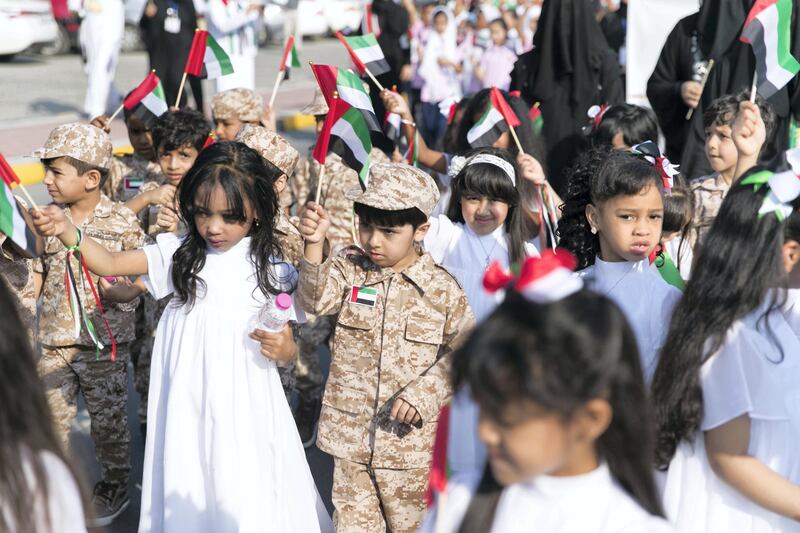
{"points": [[542, 279]]}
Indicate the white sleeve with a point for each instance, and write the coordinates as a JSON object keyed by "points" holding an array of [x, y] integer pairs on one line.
{"points": [[64, 498], [439, 236], [227, 22], [159, 265], [726, 392]]}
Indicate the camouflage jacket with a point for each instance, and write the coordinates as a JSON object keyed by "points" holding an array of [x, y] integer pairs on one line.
{"points": [[128, 174], [709, 192], [290, 240], [115, 227], [393, 338], [18, 275]]}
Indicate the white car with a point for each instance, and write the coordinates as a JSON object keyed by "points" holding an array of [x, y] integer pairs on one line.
{"points": [[25, 23], [344, 15]]}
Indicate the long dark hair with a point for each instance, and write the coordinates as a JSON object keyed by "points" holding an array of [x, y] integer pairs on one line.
{"points": [[245, 177], [734, 273], [26, 429], [485, 179], [598, 175], [559, 356], [637, 124], [679, 213]]}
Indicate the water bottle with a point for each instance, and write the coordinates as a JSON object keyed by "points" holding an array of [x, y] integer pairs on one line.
{"points": [[272, 318]]}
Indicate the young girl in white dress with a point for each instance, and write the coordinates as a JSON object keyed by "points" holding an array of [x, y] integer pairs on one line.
{"points": [[222, 451], [612, 220], [564, 414], [726, 388]]}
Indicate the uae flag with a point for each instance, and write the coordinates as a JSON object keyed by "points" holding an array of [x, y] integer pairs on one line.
{"points": [[345, 132], [290, 59], [535, 114], [14, 220], [768, 30], [350, 90], [206, 58], [392, 127], [147, 101], [494, 122], [366, 53]]}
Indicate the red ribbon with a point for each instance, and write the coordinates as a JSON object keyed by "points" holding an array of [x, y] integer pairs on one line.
{"points": [[534, 268], [665, 177], [85, 269]]}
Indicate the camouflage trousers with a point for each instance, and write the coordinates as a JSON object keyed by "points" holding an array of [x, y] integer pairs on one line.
{"points": [[67, 370], [310, 383], [368, 499]]}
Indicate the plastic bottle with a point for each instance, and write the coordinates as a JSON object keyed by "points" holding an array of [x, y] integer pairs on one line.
{"points": [[272, 318]]}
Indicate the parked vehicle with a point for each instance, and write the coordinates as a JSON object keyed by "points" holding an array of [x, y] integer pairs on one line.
{"points": [[25, 24], [344, 15]]}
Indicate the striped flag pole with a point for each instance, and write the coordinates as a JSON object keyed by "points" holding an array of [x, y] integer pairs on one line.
{"points": [[10, 178]]}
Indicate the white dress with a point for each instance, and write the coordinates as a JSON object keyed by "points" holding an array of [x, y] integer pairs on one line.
{"points": [[748, 375], [466, 255], [222, 452], [644, 297], [588, 503]]}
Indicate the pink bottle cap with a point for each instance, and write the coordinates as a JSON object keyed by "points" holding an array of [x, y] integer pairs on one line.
{"points": [[283, 301]]}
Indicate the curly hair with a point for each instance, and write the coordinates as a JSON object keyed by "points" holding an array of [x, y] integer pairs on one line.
{"points": [[175, 129], [598, 175], [246, 179]]}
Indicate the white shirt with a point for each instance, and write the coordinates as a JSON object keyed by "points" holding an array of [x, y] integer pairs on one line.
{"points": [[644, 297], [234, 27], [588, 503]]}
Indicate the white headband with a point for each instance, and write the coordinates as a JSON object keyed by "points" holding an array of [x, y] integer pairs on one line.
{"points": [[496, 161]]}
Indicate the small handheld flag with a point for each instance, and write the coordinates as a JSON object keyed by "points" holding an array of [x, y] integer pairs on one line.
{"points": [[14, 219], [147, 102], [10, 178], [768, 30], [367, 56], [495, 121], [206, 59], [535, 114], [350, 89], [288, 61]]}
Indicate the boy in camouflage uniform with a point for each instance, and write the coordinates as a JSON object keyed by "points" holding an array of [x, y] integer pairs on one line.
{"points": [[77, 158], [338, 179], [17, 272], [400, 315], [709, 191], [234, 108]]}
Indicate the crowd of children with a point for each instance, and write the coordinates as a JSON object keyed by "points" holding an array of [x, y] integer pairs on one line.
{"points": [[630, 365]]}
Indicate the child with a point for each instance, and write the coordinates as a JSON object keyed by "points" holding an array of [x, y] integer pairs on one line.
{"points": [[399, 316], [17, 272], [494, 68], [675, 258], [564, 414], [709, 191], [234, 108], [221, 438], [38, 489], [623, 126], [439, 69], [725, 390], [76, 159], [612, 221]]}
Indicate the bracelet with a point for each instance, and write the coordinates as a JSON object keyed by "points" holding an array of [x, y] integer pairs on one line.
{"points": [[74, 248], [408, 122]]}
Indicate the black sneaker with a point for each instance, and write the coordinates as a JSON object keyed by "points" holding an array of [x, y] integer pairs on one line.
{"points": [[306, 417], [109, 500]]}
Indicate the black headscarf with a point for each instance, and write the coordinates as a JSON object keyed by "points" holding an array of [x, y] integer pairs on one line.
{"points": [[719, 24]]}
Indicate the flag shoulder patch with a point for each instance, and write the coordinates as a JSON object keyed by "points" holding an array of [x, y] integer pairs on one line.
{"points": [[362, 295]]}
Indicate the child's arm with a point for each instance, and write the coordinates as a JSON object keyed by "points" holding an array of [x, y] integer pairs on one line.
{"points": [[428, 392], [121, 290], [532, 171], [749, 134], [279, 347], [430, 158], [322, 285], [726, 448], [163, 195], [51, 221]]}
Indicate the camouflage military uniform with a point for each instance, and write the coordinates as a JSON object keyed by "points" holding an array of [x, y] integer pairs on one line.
{"points": [[338, 179], [709, 192], [128, 174], [243, 104], [69, 364], [17, 272], [395, 344]]}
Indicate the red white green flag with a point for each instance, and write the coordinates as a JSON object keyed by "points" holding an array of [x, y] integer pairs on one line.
{"points": [[290, 58], [535, 114], [13, 218], [350, 90], [366, 53], [206, 58], [440, 468], [147, 102], [494, 121], [768, 30], [346, 133]]}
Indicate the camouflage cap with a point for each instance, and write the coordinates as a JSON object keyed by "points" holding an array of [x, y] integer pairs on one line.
{"points": [[270, 146], [396, 186], [318, 106], [240, 103], [83, 142]]}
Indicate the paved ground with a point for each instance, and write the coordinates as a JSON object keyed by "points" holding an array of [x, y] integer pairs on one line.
{"points": [[39, 93]]}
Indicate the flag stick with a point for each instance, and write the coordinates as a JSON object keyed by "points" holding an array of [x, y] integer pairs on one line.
{"points": [[319, 184], [28, 197], [441, 502], [180, 90], [753, 89], [281, 73], [516, 139], [374, 80], [702, 85], [115, 113]]}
